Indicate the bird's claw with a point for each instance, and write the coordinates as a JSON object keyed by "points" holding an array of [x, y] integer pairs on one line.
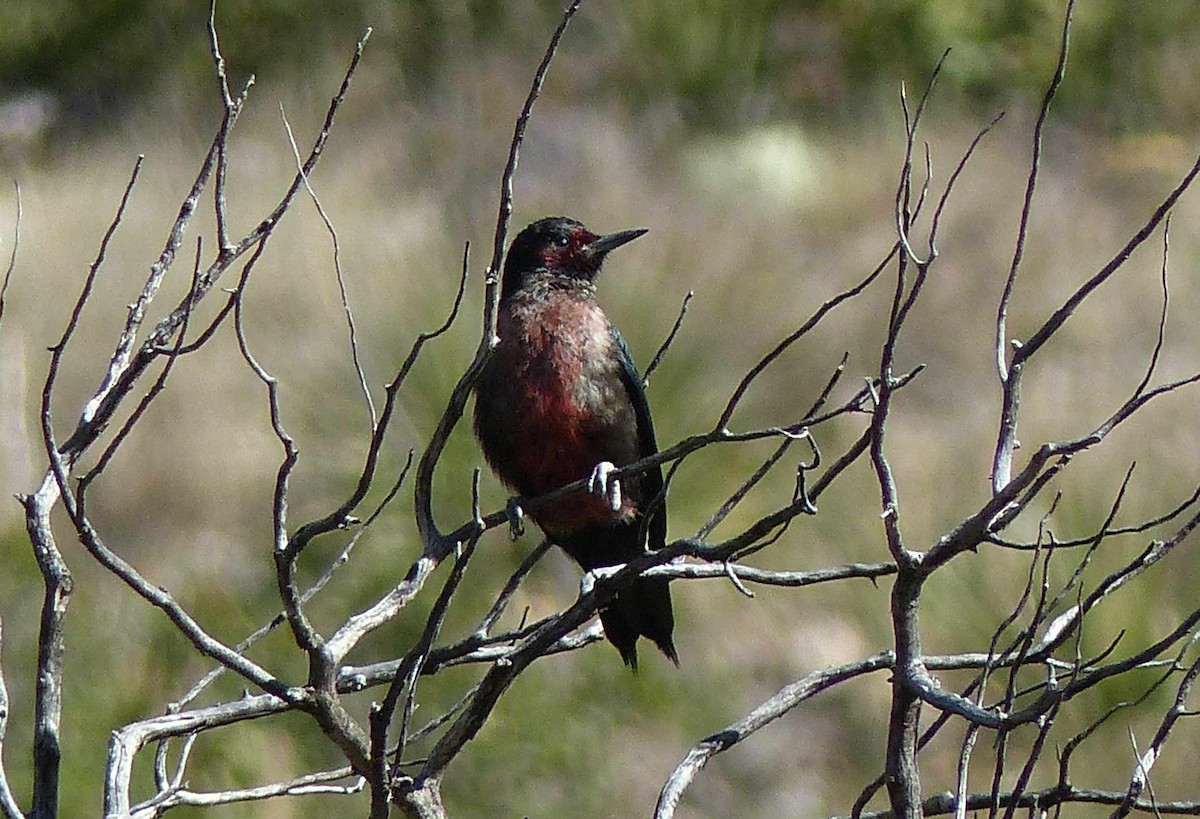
{"points": [[586, 583], [516, 518], [603, 485]]}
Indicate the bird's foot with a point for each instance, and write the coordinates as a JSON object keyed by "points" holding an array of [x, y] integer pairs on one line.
{"points": [[603, 485], [588, 581], [516, 518]]}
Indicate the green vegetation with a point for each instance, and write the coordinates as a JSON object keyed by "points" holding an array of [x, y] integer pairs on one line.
{"points": [[716, 64]]}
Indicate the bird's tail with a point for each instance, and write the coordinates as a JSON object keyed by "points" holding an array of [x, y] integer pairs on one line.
{"points": [[644, 608], [641, 609]]}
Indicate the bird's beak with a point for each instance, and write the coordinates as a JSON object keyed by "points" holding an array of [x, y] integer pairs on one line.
{"points": [[603, 244]]}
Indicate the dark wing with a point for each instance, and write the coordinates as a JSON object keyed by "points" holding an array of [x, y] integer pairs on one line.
{"points": [[651, 479]]}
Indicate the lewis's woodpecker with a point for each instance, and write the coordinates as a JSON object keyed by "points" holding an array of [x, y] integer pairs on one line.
{"points": [[560, 400]]}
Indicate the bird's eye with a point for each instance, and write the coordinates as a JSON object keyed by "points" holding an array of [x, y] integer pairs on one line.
{"points": [[563, 241]]}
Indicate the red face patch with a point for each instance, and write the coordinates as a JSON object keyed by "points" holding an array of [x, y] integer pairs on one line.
{"points": [[566, 252]]}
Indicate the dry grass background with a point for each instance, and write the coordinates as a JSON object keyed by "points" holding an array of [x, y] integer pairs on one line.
{"points": [[764, 225]]}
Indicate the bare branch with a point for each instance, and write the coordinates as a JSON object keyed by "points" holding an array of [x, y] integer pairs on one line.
{"points": [[359, 625], [950, 184], [103, 402], [510, 587], [56, 577], [788, 698], [1044, 800], [430, 537], [232, 109], [8, 804], [157, 388], [666, 345], [1023, 695], [1141, 775], [322, 701], [1162, 316], [406, 680], [12, 256], [1056, 320], [325, 782], [813, 320], [698, 571], [1035, 165], [125, 368], [161, 599], [337, 268], [904, 211], [740, 493]]}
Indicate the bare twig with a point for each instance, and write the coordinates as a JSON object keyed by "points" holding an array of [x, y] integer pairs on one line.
{"points": [[125, 368], [337, 268], [510, 588], [281, 618], [1037, 664], [731, 503], [8, 804], [1068, 307], [232, 108], [405, 682], [1162, 315], [904, 210], [788, 698], [432, 539], [1035, 165], [778, 350], [666, 345], [155, 390], [360, 624], [325, 782], [12, 256], [56, 577], [1140, 780], [1043, 801]]}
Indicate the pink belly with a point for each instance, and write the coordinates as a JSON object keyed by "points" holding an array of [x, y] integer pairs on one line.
{"points": [[557, 445]]}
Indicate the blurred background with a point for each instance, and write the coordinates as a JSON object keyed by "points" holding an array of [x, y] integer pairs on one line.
{"points": [[761, 143]]}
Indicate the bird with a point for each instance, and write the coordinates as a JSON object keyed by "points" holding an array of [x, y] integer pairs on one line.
{"points": [[559, 400]]}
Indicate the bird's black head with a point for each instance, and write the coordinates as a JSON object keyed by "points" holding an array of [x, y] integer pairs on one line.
{"points": [[559, 247]]}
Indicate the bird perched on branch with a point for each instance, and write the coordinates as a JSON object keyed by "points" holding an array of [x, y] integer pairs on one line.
{"points": [[560, 400]]}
